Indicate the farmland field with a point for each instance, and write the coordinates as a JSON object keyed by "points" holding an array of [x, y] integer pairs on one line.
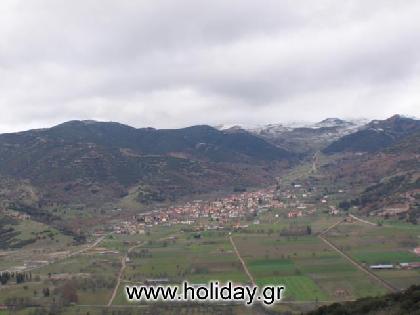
{"points": [[313, 272], [374, 245]]}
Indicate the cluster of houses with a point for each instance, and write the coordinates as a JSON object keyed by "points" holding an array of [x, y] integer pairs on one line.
{"points": [[129, 227], [222, 210], [218, 212], [304, 200], [299, 200]]}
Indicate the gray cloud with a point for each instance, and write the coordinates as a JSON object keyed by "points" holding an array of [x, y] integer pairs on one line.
{"points": [[175, 63]]}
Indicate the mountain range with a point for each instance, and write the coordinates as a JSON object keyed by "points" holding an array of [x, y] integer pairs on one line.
{"points": [[381, 161], [376, 135], [303, 138], [91, 163], [94, 162], [378, 161]]}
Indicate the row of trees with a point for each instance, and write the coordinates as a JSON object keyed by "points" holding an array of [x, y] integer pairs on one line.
{"points": [[19, 277]]}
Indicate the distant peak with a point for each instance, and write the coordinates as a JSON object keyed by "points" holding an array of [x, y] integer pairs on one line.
{"points": [[397, 117], [235, 128], [333, 122], [401, 117], [394, 119]]}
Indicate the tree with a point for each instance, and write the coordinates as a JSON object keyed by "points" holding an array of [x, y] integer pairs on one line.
{"points": [[20, 278], [4, 277], [46, 292], [345, 205]]}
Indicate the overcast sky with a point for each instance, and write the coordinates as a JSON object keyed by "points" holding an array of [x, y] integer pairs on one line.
{"points": [[182, 62]]}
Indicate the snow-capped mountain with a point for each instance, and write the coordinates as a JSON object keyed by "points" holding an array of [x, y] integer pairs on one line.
{"points": [[301, 136], [333, 122]]}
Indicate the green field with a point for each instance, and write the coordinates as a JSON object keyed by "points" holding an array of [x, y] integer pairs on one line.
{"points": [[384, 257], [186, 258], [312, 272], [387, 244], [300, 288]]}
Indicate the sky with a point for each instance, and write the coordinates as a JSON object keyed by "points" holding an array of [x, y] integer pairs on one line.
{"points": [[170, 64]]}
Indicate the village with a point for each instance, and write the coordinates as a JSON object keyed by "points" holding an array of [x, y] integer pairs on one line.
{"points": [[295, 201]]}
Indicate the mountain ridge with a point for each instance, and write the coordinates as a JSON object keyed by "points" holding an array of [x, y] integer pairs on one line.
{"points": [[94, 161], [375, 136], [306, 138]]}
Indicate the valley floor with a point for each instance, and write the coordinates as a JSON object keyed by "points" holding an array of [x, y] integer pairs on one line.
{"points": [[314, 271], [291, 235]]}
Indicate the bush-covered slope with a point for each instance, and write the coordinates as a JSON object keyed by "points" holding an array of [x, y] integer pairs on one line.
{"points": [[403, 303], [98, 161]]}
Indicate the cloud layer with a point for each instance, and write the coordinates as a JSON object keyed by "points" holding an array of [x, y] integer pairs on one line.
{"points": [[176, 63]]}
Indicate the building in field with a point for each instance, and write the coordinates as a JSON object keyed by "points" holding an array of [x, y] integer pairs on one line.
{"points": [[381, 267], [294, 214], [412, 265]]}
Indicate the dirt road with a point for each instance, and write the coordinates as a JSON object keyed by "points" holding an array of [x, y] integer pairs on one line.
{"points": [[332, 226], [361, 220], [244, 266], [121, 273], [69, 255], [384, 283]]}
